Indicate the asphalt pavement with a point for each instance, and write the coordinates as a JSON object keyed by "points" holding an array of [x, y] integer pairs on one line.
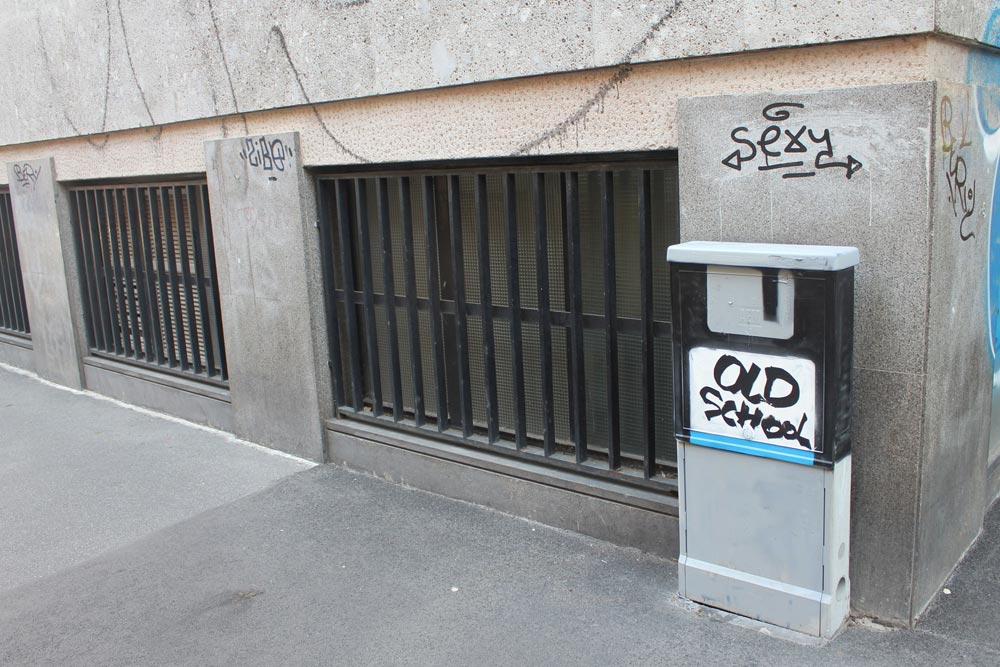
{"points": [[132, 539]]}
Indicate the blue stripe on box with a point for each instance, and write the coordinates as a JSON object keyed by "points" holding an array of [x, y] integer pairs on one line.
{"points": [[752, 448]]}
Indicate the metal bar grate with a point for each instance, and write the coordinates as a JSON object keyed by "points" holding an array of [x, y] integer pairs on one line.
{"points": [[13, 309], [533, 321], [147, 269]]}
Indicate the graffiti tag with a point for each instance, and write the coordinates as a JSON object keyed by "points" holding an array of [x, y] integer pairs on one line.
{"points": [[781, 147], [961, 195], [757, 397], [266, 154], [26, 175]]}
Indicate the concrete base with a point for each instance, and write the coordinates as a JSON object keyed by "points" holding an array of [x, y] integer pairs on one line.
{"points": [[187, 399], [607, 511], [17, 352]]}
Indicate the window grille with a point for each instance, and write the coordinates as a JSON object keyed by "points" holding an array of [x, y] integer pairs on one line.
{"points": [[147, 262], [526, 311], [13, 309]]}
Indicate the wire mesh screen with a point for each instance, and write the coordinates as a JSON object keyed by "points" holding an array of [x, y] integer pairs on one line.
{"points": [[13, 310], [147, 263], [527, 311]]}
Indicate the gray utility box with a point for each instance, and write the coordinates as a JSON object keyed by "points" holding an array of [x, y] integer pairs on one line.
{"points": [[762, 346]]}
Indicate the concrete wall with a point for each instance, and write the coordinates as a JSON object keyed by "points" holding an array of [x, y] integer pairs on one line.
{"points": [[266, 247], [48, 267], [581, 112], [118, 64], [960, 362], [878, 201]]}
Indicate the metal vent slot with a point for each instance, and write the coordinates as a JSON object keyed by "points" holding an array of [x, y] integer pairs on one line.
{"points": [[521, 311], [147, 263]]}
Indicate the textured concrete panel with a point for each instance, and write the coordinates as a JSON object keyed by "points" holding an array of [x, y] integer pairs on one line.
{"points": [[594, 111], [884, 492], [48, 266], [614, 522], [173, 396], [976, 20], [112, 66], [959, 363], [868, 187], [264, 225]]}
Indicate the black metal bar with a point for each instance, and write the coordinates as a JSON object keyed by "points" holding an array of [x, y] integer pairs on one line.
{"points": [[342, 191], [575, 297], [15, 314], [329, 296], [195, 206], [14, 266], [561, 318], [434, 297], [8, 319], [86, 256], [389, 289], [18, 276], [138, 256], [169, 342], [170, 223], [218, 333], [461, 323], [126, 289], [544, 313], [102, 217], [361, 211], [646, 310], [611, 317], [121, 309], [100, 283], [514, 298], [192, 318], [486, 301], [410, 278], [149, 276]]}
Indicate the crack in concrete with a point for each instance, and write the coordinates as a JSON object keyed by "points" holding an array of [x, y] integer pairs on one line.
{"points": [[225, 65], [131, 65], [623, 72], [276, 31], [52, 83], [107, 70]]}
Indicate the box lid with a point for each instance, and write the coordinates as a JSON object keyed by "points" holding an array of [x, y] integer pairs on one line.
{"points": [[765, 255]]}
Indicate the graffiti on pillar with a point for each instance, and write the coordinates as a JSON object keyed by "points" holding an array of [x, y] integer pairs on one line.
{"points": [[785, 144], [268, 155], [26, 175], [955, 144], [758, 397], [983, 73]]}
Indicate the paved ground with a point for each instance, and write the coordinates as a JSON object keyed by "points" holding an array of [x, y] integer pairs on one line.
{"points": [[214, 553]]}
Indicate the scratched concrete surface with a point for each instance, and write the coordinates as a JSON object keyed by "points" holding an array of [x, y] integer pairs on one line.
{"points": [[331, 567]]}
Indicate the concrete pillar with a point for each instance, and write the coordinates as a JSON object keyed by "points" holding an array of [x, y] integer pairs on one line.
{"points": [[842, 167], [48, 264], [267, 252]]}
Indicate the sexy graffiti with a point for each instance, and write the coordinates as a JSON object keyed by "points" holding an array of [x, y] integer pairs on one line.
{"points": [[787, 146]]}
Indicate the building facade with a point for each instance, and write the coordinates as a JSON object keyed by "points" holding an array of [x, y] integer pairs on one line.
{"points": [[427, 239]]}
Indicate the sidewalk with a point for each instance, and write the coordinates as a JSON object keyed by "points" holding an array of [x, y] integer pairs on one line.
{"points": [[130, 539]]}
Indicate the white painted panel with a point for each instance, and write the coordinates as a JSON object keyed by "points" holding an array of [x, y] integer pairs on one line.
{"points": [[759, 397]]}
